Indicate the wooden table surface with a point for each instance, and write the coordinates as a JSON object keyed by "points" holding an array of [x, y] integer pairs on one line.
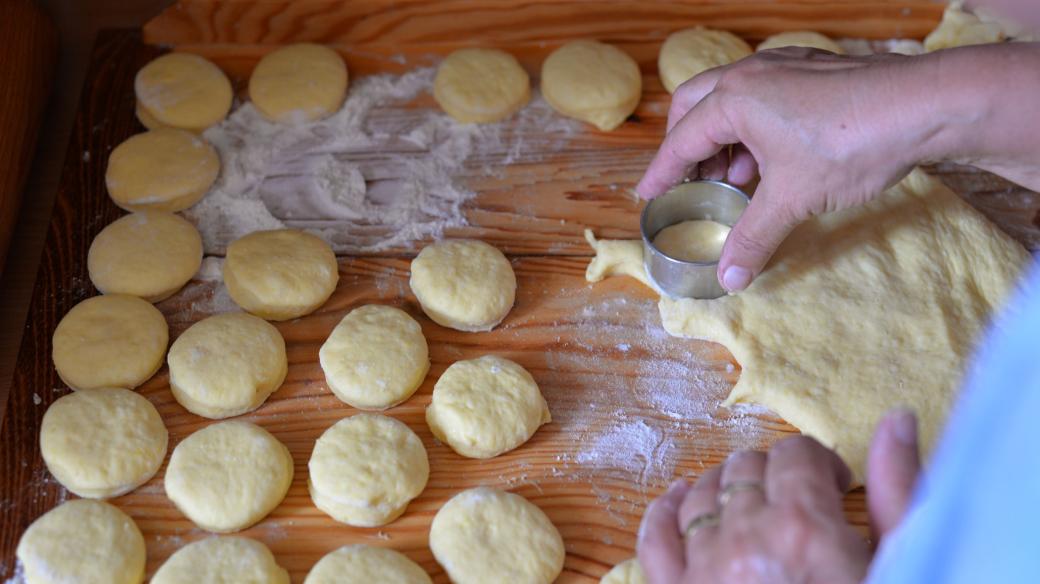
{"points": [[632, 407]]}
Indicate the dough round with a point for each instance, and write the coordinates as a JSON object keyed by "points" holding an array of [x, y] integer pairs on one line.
{"points": [[363, 564], [161, 170], [366, 468], [280, 274], [481, 85], [299, 83], [466, 285], [592, 82], [227, 476], [627, 572], [375, 358], [102, 443], [83, 541], [487, 535], [801, 38], [696, 240], [146, 118], [181, 90], [227, 364], [691, 51], [149, 254], [110, 341], [484, 407], [217, 560]]}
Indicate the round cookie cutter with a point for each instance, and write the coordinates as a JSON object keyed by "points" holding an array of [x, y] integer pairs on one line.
{"points": [[702, 199]]}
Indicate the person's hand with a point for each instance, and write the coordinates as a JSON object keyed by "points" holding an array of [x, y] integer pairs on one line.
{"points": [[777, 518]]}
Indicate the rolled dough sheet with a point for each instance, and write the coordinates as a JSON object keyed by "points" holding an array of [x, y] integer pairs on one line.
{"points": [[858, 312]]}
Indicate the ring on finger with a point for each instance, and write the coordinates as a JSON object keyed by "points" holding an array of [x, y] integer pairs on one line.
{"points": [[733, 488], [700, 522]]}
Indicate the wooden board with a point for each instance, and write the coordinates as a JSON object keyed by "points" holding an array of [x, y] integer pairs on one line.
{"points": [[632, 407]]}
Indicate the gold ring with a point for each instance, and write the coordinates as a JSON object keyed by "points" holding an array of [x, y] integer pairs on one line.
{"points": [[736, 487], [701, 521]]}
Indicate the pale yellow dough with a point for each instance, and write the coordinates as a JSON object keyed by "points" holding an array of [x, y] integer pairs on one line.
{"points": [[593, 82], [485, 407], [627, 572], [960, 28], [801, 38], [481, 85], [466, 285], [161, 170], [222, 560], [110, 341], [102, 443], [181, 90], [487, 535], [375, 358], [227, 364], [228, 476], [82, 541], [150, 254], [280, 274], [688, 52], [366, 468], [298, 83], [365, 564], [858, 312], [693, 241]]}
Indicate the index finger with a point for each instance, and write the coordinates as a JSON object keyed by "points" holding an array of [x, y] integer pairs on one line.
{"points": [[660, 545], [690, 93]]}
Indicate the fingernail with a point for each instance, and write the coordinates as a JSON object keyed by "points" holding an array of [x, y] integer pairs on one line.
{"points": [[904, 427], [736, 278], [676, 484]]}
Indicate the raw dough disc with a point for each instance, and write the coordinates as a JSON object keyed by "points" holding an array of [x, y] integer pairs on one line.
{"points": [[83, 541], [298, 83], [487, 535], [858, 312], [222, 560], [184, 91], [481, 85], [146, 118], [280, 274], [375, 358], [227, 364], [627, 572], [149, 254], [466, 285], [688, 52], [366, 468], [161, 170], [484, 407], [110, 341], [229, 475], [102, 443], [365, 564], [801, 38], [695, 240], [593, 82]]}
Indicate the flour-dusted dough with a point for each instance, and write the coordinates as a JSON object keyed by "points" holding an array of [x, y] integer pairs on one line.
{"points": [[222, 560], [227, 364], [627, 572], [487, 535], [366, 468], [102, 443], [696, 240], [961, 28], [688, 52], [161, 170], [149, 254], [182, 90], [484, 407], [593, 82], [110, 341], [365, 564], [481, 85], [375, 358], [299, 83], [466, 285], [801, 38], [858, 312], [227, 476], [83, 541], [280, 274]]}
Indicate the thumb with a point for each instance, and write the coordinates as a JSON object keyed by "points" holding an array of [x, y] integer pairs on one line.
{"points": [[760, 230], [892, 468]]}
